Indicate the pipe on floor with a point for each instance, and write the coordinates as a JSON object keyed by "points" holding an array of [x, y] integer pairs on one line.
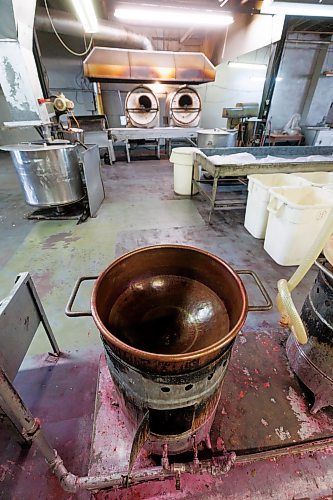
{"points": [[108, 32]]}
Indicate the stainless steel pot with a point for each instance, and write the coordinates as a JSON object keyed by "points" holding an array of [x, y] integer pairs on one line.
{"points": [[217, 138], [49, 174]]}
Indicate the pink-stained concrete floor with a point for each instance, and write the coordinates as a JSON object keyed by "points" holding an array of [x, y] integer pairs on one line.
{"points": [[263, 416]]}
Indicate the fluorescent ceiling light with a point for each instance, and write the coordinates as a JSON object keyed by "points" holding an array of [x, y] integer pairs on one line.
{"points": [[180, 17], [296, 9], [235, 64], [86, 13]]}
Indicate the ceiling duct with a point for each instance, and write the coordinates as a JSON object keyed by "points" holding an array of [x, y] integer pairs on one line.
{"points": [[105, 64], [107, 32]]}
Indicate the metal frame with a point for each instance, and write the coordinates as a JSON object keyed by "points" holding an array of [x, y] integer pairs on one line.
{"points": [[125, 135]]}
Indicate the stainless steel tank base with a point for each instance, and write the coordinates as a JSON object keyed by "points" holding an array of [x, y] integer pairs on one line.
{"points": [[56, 205], [49, 173], [74, 211], [319, 383], [313, 361]]}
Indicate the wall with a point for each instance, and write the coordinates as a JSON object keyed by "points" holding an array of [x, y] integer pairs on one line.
{"points": [[65, 72], [249, 33], [13, 135], [232, 85], [297, 65]]}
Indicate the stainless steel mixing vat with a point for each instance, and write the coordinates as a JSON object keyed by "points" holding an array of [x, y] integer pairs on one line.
{"points": [[49, 174]]}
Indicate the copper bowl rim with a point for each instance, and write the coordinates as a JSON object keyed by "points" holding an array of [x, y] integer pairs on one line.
{"points": [[210, 350]]}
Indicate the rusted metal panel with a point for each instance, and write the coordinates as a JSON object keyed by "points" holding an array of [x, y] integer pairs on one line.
{"points": [[21, 312]]}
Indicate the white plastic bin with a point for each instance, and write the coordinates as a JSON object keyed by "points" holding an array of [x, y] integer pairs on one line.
{"points": [[256, 214], [182, 159], [318, 179], [296, 216]]}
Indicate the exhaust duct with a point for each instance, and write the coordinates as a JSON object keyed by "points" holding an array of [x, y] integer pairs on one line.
{"points": [[119, 65], [108, 32]]}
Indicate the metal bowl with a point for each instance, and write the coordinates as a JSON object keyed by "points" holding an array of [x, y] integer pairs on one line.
{"points": [[168, 308]]}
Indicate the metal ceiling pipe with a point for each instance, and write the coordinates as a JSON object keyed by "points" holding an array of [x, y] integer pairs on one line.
{"points": [[108, 32]]}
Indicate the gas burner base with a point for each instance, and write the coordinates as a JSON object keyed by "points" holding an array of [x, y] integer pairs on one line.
{"points": [[113, 436], [318, 382], [74, 211]]}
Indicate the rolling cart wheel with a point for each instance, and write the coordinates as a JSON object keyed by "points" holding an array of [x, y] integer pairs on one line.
{"points": [[106, 158]]}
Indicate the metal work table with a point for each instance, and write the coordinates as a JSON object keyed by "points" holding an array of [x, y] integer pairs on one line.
{"points": [[220, 171], [125, 135]]}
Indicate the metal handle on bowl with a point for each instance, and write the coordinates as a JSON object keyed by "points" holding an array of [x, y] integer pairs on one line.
{"points": [[68, 310], [268, 301]]}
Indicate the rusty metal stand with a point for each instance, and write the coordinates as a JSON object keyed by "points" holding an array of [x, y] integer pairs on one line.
{"points": [[21, 312]]}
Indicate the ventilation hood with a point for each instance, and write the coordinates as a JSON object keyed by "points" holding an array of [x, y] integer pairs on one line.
{"points": [[121, 65]]}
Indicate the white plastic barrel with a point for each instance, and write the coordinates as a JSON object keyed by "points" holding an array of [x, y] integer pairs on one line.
{"points": [[296, 215], [256, 214], [318, 179], [182, 159]]}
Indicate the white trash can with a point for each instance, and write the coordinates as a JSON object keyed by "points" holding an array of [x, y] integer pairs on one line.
{"points": [[318, 179], [296, 215], [256, 214], [182, 159]]}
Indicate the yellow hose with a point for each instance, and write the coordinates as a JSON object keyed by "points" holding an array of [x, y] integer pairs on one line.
{"points": [[284, 301]]}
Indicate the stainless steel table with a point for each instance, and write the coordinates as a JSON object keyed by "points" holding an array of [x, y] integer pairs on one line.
{"points": [[125, 135]]}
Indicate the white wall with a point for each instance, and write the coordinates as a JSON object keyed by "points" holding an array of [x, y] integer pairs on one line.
{"points": [[249, 33], [232, 85]]}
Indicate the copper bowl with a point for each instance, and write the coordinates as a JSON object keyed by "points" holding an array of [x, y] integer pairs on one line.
{"points": [[168, 308]]}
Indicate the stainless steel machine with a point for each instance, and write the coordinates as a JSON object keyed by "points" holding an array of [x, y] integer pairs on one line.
{"points": [[49, 173], [243, 116], [183, 108], [142, 108], [59, 177]]}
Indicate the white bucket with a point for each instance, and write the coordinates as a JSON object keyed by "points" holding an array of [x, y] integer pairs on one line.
{"points": [[182, 159], [296, 215], [256, 214], [318, 179]]}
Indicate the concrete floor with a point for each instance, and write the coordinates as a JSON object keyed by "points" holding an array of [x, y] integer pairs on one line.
{"points": [[140, 209]]}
